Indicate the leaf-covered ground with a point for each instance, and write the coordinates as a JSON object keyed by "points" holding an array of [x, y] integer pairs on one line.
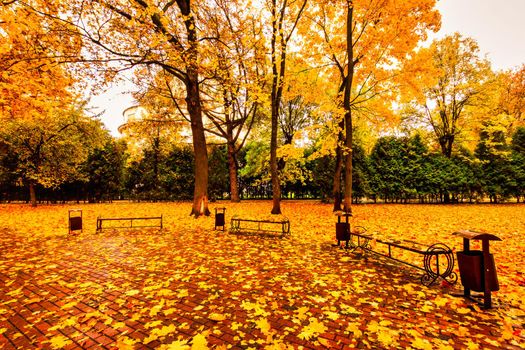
{"points": [[190, 287]]}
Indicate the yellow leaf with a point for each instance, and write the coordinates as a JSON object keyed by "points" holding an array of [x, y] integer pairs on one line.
{"points": [[385, 338], [353, 327], [472, 346], [216, 317], [463, 310], [422, 344], [199, 341], [3, 330], [170, 311], [313, 329], [385, 323], [323, 342], [59, 341], [132, 292], [182, 293], [332, 315], [125, 343], [373, 326], [156, 309], [152, 324], [176, 345], [263, 325], [440, 301]]}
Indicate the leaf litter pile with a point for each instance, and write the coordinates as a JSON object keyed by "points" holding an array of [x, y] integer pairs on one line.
{"points": [[190, 287]]}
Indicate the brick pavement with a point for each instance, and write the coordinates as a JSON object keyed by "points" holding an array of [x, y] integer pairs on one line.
{"points": [[183, 288]]}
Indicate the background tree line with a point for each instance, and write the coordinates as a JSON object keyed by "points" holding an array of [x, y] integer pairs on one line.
{"points": [[398, 169]]}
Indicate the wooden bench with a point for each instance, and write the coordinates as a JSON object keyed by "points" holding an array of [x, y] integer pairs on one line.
{"points": [[281, 226], [438, 258], [132, 222]]}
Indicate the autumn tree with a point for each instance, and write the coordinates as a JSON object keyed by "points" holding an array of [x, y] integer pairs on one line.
{"points": [[233, 92], [284, 17], [300, 109], [454, 78], [32, 83], [365, 55], [49, 151], [119, 36], [512, 96]]}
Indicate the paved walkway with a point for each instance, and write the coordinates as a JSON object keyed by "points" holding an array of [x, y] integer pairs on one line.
{"points": [[199, 289]]}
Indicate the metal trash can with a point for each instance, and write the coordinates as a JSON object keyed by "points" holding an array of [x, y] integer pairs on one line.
{"points": [[477, 268], [75, 220], [220, 220], [342, 229], [471, 267]]}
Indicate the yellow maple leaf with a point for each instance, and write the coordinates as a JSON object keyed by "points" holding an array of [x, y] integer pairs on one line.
{"points": [[3, 330], [263, 325], [385, 323], [59, 341], [422, 344], [176, 345], [152, 324], [125, 343], [324, 342], [472, 346], [216, 317], [332, 315], [385, 338], [463, 310], [301, 312], [156, 309], [313, 329], [182, 293], [440, 301], [132, 292], [199, 341], [373, 326], [353, 327]]}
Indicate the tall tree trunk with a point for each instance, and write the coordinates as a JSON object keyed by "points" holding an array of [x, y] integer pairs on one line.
{"points": [[446, 141], [277, 76], [276, 186], [348, 112], [193, 104], [336, 191], [200, 193], [32, 193], [279, 42], [233, 172]]}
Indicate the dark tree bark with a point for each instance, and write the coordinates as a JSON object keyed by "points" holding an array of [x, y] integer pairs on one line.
{"points": [[233, 171], [279, 44], [336, 192], [347, 202], [32, 193], [193, 104]]}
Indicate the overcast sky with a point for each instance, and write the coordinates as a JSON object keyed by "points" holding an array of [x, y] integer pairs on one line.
{"points": [[497, 26]]}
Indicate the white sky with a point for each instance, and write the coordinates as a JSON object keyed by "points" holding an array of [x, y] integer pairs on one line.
{"points": [[497, 26]]}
